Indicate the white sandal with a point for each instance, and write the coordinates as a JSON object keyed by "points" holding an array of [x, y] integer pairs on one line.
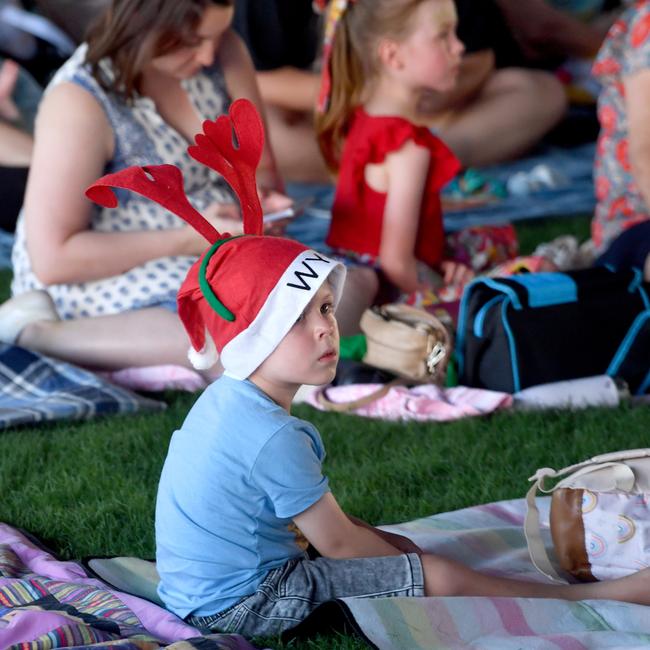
{"points": [[23, 309]]}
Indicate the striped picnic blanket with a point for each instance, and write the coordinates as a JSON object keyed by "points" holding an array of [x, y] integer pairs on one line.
{"points": [[490, 538], [47, 604]]}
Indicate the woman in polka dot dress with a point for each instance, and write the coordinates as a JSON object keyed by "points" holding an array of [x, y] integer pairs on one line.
{"points": [[134, 94]]}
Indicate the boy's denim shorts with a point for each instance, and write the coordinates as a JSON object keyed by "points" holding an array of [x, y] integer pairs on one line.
{"points": [[288, 594]]}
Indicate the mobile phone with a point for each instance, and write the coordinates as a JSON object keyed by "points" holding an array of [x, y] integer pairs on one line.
{"points": [[294, 210]]}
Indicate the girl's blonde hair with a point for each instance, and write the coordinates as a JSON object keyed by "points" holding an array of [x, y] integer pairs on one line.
{"points": [[353, 63]]}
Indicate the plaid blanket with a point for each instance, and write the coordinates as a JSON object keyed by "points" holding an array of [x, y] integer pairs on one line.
{"points": [[489, 538], [47, 604], [34, 388], [6, 242]]}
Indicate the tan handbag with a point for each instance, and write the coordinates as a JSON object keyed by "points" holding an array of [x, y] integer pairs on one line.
{"points": [[407, 341]]}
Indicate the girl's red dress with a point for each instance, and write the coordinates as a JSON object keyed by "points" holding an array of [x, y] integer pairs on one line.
{"points": [[358, 211]]}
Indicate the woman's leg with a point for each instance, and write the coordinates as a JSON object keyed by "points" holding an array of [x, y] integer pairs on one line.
{"points": [[361, 286], [444, 577], [295, 146], [514, 109], [137, 338]]}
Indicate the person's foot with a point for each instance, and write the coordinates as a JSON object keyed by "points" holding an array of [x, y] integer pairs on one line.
{"points": [[23, 309]]}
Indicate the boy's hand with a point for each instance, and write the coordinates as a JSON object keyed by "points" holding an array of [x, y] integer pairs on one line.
{"points": [[401, 543]]}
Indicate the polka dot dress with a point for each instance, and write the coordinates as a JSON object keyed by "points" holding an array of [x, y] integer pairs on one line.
{"points": [[142, 137]]}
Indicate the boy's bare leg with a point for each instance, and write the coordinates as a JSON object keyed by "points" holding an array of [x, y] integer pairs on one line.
{"points": [[144, 337], [514, 109], [444, 577]]}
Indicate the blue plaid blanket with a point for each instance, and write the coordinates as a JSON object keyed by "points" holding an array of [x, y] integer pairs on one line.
{"points": [[34, 388], [6, 242]]}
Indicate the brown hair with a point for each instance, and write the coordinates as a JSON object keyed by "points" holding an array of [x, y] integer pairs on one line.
{"points": [[131, 32], [353, 64]]}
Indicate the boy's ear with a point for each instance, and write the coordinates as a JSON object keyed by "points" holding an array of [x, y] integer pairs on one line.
{"points": [[388, 51]]}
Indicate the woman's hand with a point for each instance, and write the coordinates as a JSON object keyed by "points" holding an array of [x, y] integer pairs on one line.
{"points": [[274, 201], [225, 217]]}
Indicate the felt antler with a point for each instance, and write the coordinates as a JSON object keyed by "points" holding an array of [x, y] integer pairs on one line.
{"points": [[238, 162], [160, 183]]}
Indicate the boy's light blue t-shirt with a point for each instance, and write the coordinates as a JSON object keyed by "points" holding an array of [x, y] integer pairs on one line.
{"points": [[236, 473]]}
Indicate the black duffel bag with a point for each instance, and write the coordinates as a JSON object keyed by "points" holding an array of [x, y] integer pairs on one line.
{"points": [[536, 328]]}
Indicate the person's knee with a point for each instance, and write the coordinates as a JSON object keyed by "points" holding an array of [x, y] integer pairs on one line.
{"points": [[361, 286], [362, 280], [536, 87]]}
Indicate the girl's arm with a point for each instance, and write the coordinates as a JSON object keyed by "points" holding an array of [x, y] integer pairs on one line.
{"points": [[331, 532], [637, 102], [407, 172], [239, 74], [73, 141]]}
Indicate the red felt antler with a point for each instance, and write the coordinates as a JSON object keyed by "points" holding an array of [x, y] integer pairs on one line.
{"points": [[238, 162], [160, 183]]}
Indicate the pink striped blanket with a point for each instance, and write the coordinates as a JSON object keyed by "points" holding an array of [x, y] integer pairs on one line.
{"points": [[490, 538]]}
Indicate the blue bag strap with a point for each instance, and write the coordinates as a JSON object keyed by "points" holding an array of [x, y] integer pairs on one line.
{"points": [[624, 347], [491, 283]]}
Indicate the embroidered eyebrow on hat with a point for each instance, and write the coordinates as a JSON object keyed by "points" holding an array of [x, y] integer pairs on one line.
{"points": [[244, 293]]}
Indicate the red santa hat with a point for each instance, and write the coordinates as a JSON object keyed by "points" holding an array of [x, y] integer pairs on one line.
{"points": [[244, 293]]}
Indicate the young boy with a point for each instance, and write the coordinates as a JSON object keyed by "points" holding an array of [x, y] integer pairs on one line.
{"points": [[241, 470]]}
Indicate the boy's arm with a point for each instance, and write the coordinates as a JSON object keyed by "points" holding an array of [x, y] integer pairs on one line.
{"points": [[401, 543], [333, 534]]}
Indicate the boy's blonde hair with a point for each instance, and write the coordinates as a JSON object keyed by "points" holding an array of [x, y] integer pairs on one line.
{"points": [[354, 63]]}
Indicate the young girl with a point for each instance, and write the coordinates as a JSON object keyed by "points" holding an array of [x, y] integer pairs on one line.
{"points": [[381, 55]]}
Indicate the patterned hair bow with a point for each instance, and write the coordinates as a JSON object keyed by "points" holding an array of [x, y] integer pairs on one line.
{"points": [[335, 11]]}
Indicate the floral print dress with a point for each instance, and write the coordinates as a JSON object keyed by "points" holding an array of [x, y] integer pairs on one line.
{"points": [[626, 51]]}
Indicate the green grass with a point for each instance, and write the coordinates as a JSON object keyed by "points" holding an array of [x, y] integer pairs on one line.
{"points": [[88, 488]]}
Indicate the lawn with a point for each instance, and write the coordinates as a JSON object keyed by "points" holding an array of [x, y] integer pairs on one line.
{"points": [[88, 488]]}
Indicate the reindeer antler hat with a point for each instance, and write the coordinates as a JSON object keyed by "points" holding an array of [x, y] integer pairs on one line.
{"points": [[244, 293]]}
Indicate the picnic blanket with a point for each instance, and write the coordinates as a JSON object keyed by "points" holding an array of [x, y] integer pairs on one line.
{"points": [[489, 538], [423, 403], [35, 388], [6, 242], [48, 604], [575, 198]]}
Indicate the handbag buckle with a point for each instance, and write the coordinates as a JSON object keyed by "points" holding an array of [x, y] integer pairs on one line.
{"points": [[437, 354]]}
